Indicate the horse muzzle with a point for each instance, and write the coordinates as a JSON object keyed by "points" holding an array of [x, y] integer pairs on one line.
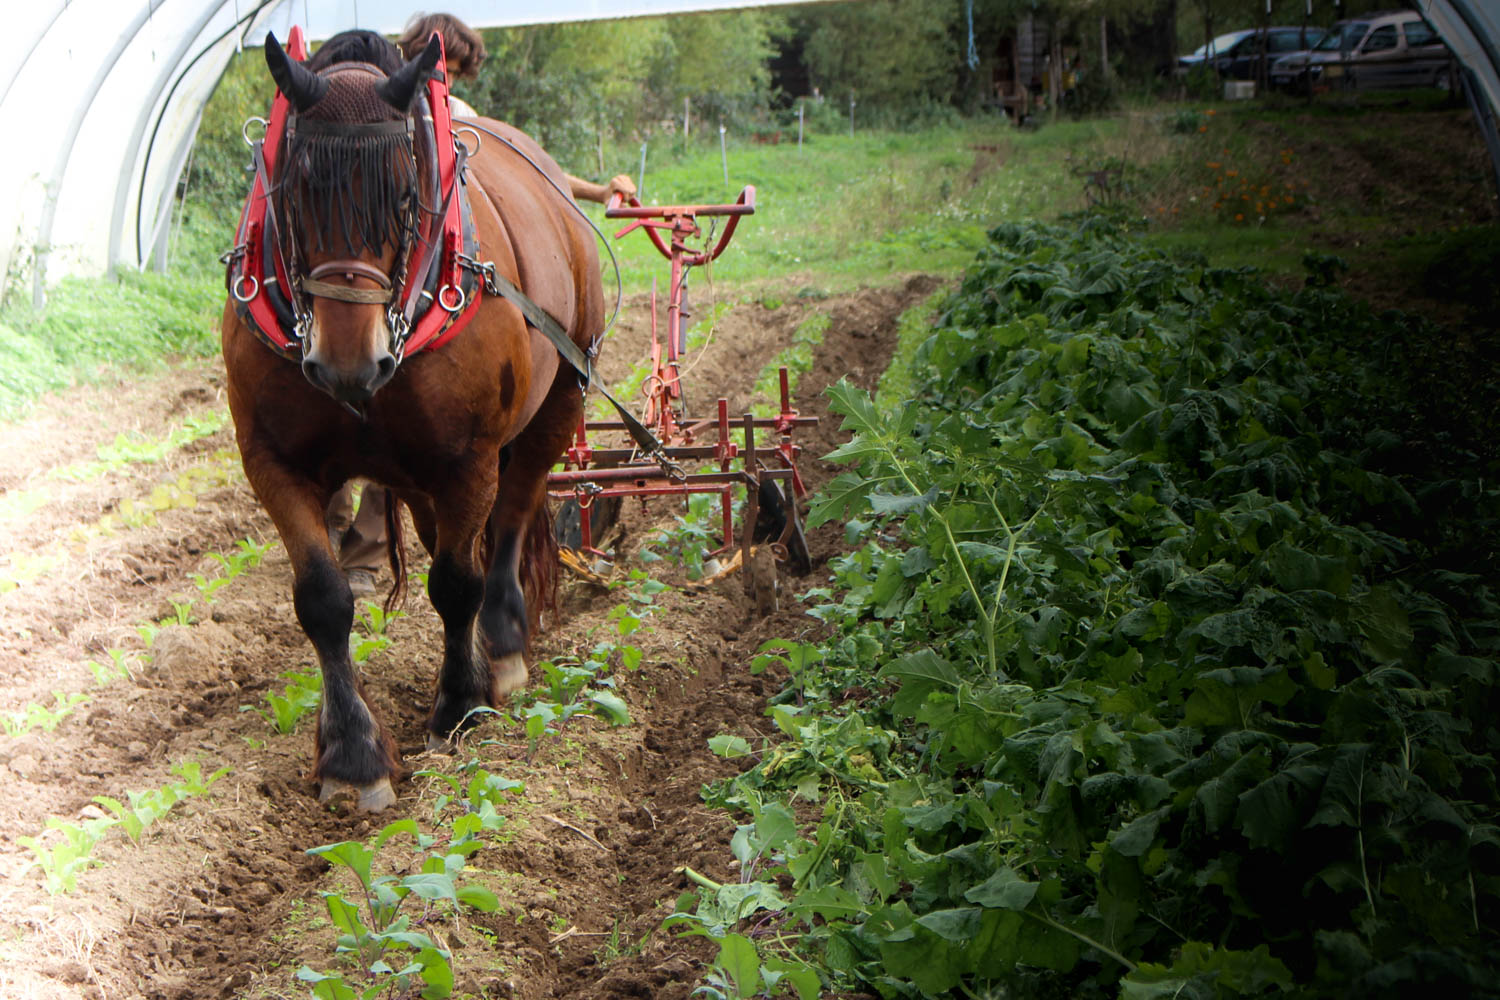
{"points": [[350, 384], [351, 377]]}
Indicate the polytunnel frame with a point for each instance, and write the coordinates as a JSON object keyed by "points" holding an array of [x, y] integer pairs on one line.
{"points": [[1470, 27]]}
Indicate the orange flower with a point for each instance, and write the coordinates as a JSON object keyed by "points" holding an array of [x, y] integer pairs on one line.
{"points": [[1231, 173], [1211, 112], [1202, 128], [1212, 165], [1239, 217], [1287, 199]]}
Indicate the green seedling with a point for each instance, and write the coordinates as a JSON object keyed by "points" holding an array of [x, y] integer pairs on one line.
{"points": [[191, 781], [481, 798], [207, 587], [146, 807], [391, 956], [375, 619], [134, 448], [252, 551], [35, 716], [690, 537], [61, 865], [182, 611], [118, 667], [303, 693]]}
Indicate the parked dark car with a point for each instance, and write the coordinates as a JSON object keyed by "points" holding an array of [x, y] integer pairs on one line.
{"points": [[1238, 55], [1374, 52]]}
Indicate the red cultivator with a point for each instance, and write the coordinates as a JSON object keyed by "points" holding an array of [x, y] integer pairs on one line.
{"points": [[592, 474]]}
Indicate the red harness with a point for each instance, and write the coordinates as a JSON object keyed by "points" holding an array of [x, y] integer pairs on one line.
{"points": [[439, 296]]}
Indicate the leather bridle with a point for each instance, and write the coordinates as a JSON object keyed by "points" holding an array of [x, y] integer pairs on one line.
{"points": [[350, 269], [392, 286]]}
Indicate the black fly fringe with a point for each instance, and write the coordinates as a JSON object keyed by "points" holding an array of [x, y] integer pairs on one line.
{"points": [[356, 184]]}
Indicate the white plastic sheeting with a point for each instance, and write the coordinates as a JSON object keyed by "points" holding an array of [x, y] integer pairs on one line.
{"points": [[1472, 30], [101, 100]]}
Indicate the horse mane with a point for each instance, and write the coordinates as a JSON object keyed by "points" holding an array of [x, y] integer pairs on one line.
{"points": [[328, 148]]}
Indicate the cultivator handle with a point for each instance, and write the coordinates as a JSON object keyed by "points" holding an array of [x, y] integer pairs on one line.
{"points": [[679, 220]]}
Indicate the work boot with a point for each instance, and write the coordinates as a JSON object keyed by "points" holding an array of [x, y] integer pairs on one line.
{"points": [[362, 583]]}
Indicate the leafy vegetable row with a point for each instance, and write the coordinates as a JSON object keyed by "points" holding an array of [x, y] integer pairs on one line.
{"points": [[1168, 668]]}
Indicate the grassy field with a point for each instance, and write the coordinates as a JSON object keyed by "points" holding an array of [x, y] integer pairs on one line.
{"points": [[1259, 185]]}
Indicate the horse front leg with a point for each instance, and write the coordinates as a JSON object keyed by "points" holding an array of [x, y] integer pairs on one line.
{"points": [[353, 749]]}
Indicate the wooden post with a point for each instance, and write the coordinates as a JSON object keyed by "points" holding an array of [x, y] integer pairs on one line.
{"points": [[1054, 72], [1104, 48]]}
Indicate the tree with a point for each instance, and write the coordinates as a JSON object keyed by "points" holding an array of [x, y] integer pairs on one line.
{"points": [[889, 54]]}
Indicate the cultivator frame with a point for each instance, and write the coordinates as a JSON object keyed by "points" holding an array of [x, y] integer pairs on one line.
{"points": [[591, 473]]}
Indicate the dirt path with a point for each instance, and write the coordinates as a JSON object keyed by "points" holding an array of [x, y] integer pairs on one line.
{"points": [[219, 897]]}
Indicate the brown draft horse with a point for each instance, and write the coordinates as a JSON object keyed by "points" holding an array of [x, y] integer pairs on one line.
{"points": [[463, 435]]}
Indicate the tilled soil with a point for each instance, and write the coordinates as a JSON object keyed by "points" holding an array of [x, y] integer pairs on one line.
{"points": [[220, 897]]}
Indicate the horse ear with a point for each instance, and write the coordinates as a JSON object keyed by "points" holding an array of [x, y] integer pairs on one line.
{"points": [[302, 86], [399, 90]]}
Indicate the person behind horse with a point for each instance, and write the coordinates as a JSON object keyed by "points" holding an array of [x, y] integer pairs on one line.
{"points": [[361, 538], [465, 53]]}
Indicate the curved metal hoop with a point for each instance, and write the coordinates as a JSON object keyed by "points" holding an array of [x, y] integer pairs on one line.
{"points": [[442, 300], [477, 140], [254, 288], [245, 130]]}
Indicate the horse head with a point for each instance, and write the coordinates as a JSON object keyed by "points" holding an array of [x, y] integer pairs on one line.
{"points": [[348, 189]]}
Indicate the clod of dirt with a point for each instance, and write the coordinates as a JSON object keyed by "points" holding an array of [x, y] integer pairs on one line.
{"points": [[194, 655]]}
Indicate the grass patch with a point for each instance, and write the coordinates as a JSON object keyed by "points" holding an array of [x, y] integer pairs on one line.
{"points": [[94, 329], [855, 211]]}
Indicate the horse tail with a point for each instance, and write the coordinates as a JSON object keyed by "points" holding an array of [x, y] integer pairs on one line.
{"points": [[395, 550], [539, 565]]}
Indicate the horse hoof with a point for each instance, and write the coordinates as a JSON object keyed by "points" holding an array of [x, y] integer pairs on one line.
{"points": [[374, 797], [436, 744], [510, 674]]}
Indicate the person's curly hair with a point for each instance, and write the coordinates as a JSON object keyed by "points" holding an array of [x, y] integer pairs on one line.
{"points": [[461, 43]]}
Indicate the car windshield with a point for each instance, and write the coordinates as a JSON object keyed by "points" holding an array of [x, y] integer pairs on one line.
{"points": [[1218, 45], [1343, 36]]}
